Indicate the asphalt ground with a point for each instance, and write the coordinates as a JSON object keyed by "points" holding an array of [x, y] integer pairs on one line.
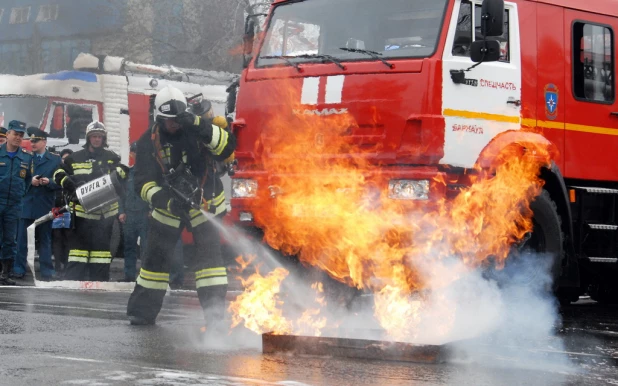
{"points": [[77, 337]]}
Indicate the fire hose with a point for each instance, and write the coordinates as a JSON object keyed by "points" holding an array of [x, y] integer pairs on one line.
{"points": [[66, 284]]}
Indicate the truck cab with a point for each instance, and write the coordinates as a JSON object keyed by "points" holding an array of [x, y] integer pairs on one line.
{"points": [[430, 91]]}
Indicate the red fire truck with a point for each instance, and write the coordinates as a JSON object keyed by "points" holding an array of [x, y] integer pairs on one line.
{"points": [[459, 79]]}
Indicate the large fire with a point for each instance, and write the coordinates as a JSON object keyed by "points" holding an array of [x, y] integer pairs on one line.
{"points": [[324, 209]]}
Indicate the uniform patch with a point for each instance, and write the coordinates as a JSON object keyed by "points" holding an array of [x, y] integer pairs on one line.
{"points": [[2, 163], [22, 173], [551, 101]]}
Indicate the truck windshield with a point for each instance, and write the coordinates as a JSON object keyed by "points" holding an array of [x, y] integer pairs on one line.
{"points": [[301, 31]]}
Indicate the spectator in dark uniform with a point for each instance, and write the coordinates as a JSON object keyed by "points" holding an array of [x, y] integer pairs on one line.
{"points": [[15, 176], [2, 136], [134, 216], [61, 229], [38, 201]]}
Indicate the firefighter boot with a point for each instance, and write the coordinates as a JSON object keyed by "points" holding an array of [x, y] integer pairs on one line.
{"points": [[4, 277]]}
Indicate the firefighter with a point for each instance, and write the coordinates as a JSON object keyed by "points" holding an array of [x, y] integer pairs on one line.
{"points": [[16, 168], [2, 135], [89, 243], [177, 155]]}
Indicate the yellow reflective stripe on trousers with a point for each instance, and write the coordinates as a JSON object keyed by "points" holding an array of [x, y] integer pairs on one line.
{"points": [[153, 280], [209, 272], [82, 171], [211, 281], [78, 255], [155, 276], [100, 257], [210, 276], [163, 218], [155, 285]]}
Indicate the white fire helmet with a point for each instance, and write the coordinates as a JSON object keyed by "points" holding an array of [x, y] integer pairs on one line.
{"points": [[169, 102], [96, 127]]}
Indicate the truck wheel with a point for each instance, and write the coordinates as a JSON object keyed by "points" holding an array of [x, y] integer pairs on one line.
{"points": [[540, 253]]}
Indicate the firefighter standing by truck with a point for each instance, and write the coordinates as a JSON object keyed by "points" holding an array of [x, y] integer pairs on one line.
{"points": [[89, 243], [174, 173]]}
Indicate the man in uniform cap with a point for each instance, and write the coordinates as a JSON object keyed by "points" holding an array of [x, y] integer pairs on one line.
{"points": [[38, 201], [2, 135], [16, 170]]}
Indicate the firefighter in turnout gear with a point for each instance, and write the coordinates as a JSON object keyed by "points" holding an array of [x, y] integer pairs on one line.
{"points": [[174, 173], [89, 244]]}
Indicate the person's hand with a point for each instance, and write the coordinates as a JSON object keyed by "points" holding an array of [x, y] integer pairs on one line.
{"points": [[122, 218], [177, 208], [35, 181], [44, 181], [185, 119]]}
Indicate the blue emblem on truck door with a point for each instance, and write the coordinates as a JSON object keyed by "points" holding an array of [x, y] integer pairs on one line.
{"points": [[551, 101]]}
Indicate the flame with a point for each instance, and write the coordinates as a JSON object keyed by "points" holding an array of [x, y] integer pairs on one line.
{"points": [[324, 207], [259, 307]]}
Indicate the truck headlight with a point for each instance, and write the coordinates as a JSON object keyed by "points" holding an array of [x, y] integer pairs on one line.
{"points": [[244, 188], [408, 189]]}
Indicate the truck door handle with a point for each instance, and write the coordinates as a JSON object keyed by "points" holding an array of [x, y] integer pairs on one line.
{"points": [[514, 101], [614, 113]]}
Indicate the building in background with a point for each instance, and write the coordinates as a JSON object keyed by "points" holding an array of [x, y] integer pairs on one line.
{"points": [[47, 35]]}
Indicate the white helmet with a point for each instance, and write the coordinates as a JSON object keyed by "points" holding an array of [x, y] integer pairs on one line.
{"points": [[169, 102], [96, 127]]}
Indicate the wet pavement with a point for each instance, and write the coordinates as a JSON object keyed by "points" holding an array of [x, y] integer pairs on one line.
{"points": [[72, 337]]}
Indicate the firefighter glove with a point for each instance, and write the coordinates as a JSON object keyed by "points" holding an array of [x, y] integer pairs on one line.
{"points": [[68, 185], [177, 207], [186, 119]]}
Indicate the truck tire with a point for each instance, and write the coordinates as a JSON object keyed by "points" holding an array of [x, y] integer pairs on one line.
{"points": [[540, 253], [547, 237]]}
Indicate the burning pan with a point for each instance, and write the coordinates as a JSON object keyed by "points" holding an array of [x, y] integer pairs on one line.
{"points": [[354, 348]]}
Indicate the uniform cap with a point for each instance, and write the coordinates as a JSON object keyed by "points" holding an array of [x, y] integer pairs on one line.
{"points": [[36, 134], [17, 126]]}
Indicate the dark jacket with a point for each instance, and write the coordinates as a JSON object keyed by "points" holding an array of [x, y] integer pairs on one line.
{"points": [[187, 147], [39, 200], [15, 176], [131, 202], [84, 166]]}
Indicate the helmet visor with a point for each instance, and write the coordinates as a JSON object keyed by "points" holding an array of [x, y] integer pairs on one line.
{"points": [[172, 108]]}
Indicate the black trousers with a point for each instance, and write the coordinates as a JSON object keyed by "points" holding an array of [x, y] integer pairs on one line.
{"points": [[210, 273], [89, 255], [60, 247]]}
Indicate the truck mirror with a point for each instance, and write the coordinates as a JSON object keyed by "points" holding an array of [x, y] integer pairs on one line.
{"points": [[485, 51], [492, 18], [247, 40]]}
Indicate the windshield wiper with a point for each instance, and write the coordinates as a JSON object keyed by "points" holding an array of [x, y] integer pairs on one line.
{"points": [[324, 57], [373, 54], [287, 60]]}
